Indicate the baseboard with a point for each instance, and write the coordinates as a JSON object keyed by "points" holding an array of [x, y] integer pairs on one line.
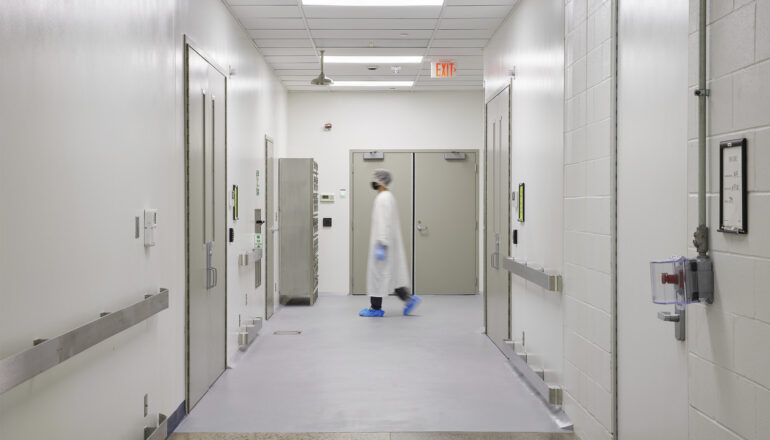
{"points": [[176, 418]]}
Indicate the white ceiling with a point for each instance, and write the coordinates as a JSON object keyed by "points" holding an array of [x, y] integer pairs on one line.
{"points": [[289, 35]]}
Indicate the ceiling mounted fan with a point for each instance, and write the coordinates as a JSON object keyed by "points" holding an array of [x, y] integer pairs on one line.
{"points": [[322, 79]]}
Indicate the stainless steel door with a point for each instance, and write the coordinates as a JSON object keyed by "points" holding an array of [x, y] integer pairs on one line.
{"points": [[400, 165], [497, 296], [445, 222], [206, 219], [270, 179]]}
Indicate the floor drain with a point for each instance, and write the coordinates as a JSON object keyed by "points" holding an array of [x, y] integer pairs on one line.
{"points": [[287, 332]]}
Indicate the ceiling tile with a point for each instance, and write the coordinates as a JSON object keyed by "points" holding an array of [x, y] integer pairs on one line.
{"points": [[244, 12], [471, 23], [272, 23], [278, 33], [363, 42], [371, 23], [372, 12], [288, 42], [372, 33], [476, 11]]}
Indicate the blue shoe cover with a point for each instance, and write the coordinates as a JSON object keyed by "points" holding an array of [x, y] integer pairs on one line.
{"points": [[371, 313], [413, 302]]}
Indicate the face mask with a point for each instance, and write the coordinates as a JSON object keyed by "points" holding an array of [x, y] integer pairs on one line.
{"points": [[375, 186]]}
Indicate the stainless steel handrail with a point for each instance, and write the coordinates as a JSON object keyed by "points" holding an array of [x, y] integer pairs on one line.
{"points": [[47, 353], [546, 280]]}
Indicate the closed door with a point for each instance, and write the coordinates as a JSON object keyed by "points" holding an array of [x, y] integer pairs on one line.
{"points": [[400, 166], [270, 214], [206, 220], [497, 296], [445, 217]]}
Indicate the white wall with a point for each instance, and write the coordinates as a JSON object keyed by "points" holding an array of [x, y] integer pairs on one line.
{"points": [[651, 146], [91, 133], [588, 144], [531, 42], [561, 148], [729, 341], [372, 121]]}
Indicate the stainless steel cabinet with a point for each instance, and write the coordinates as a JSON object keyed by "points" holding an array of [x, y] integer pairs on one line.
{"points": [[298, 224]]}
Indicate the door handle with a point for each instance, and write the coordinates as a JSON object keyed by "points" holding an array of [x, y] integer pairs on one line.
{"points": [[421, 227], [669, 317], [210, 278]]}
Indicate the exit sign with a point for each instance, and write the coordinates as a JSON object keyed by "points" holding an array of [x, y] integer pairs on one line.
{"points": [[442, 70]]}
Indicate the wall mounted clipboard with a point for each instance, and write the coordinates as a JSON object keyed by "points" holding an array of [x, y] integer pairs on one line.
{"points": [[733, 187]]}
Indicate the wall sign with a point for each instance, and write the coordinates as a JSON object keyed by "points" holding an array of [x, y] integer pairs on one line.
{"points": [[521, 202], [442, 70], [235, 202], [733, 198]]}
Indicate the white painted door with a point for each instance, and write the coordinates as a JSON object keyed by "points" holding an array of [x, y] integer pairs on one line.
{"points": [[445, 224], [652, 203], [206, 221], [497, 297]]}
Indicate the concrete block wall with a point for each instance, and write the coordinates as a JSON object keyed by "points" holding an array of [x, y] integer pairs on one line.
{"points": [[729, 341], [588, 323]]}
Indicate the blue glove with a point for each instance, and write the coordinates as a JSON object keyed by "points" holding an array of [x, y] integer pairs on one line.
{"points": [[380, 252]]}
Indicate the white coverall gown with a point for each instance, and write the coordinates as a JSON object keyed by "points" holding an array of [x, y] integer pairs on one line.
{"points": [[384, 277]]}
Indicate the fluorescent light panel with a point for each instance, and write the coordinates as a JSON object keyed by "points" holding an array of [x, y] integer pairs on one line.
{"points": [[374, 59], [373, 83], [372, 2]]}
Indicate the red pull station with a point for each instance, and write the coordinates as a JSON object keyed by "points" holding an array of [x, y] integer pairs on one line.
{"points": [[669, 278]]}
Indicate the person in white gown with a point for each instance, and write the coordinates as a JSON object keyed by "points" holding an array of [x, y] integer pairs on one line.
{"points": [[386, 271]]}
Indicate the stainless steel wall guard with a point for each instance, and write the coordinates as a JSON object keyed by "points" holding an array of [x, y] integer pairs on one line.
{"points": [[160, 432], [249, 332], [47, 353], [548, 281]]}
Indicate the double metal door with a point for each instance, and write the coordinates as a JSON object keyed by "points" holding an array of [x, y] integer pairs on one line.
{"points": [[437, 199], [206, 224], [498, 224]]}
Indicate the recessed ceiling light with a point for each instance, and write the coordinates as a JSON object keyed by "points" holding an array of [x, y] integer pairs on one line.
{"points": [[373, 84], [373, 59], [372, 2]]}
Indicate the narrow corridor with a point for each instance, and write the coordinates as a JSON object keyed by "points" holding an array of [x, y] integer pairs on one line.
{"points": [[435, 371]]}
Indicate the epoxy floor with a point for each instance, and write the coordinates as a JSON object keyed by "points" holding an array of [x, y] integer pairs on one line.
{"points": [[434, 371]]}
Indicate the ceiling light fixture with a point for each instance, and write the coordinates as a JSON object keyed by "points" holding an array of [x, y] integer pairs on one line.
{"points": [[372, 2], [322, 79], [374, 59], [373, 83]]}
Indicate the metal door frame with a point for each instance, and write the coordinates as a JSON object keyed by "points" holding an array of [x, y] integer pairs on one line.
{"points": [[412, 151], [508, 86], [189, 44], [268, 233]]}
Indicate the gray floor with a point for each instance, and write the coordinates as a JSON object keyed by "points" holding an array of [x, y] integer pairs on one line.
{"points": [[434, 371]]}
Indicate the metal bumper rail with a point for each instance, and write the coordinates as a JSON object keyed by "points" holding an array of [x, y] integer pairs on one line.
{"points": [[546, 280], [47, 353], [157, 433]]}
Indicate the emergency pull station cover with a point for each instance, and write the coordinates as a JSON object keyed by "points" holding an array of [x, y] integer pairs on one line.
{"points": [[669, 281]]}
